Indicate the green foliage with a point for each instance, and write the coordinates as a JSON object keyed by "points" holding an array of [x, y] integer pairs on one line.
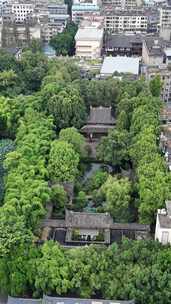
{"points": [[26, 188], [59, 199], [64, 43], [96, 180], [72, 136], [96, 93], [34, 68], [63, 162], [52, 270], [113, 149], [117, 198], [6, 145], [80, 201], [153, 186], [68, 108], [155, 86]]}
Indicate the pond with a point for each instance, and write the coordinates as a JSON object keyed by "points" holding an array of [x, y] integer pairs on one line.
{"points": [[95, 167]]}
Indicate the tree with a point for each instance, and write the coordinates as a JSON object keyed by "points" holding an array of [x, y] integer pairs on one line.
{"points": [[117, 197], [63, 162], [59, 199], [13, 231], [52, 270], [6, 145], [33, 69], [68, 108], [155, 86], [113, 149], [72, 136], [64, 43]]}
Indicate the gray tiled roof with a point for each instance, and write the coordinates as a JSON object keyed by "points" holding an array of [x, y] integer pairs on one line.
{"points": [[100, 115], [156, 45], [12, 300], [86, 219], [52, 300], [122, 41]]}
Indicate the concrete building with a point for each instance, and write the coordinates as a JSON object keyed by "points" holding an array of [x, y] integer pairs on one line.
{"points": [[22, 11], [165, 22], [124, 4], [19, 35], [130, 21], [79, 11], [89, 42], [165, 74], [120, 65], [123, 45], [155, 50], [55, 21], [163, 225]]}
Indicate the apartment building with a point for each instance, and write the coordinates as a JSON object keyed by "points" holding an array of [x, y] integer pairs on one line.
{"points": [[19, 34], [22, 11], [80, 9], [119, 21], [55, 21], [129, 4], [165, 22]]}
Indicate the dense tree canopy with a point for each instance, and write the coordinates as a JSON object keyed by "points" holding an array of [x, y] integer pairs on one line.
{"points": [[49, 151], [63, 162], [64, 43], [117, 197]]}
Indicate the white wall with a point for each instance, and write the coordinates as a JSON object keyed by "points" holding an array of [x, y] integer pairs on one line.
{"points": [[159, 231]]}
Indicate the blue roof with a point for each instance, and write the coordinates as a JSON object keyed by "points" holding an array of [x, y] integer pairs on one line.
{"points": [[77, 7]]}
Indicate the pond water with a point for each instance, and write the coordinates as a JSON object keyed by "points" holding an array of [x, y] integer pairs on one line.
{"points": [[95, 167]]}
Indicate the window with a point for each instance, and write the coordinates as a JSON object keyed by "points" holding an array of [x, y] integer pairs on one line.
{"points": [[165, 237]]}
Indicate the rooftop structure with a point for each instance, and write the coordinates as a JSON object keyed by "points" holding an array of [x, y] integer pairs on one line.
{"points": [[99, 122], [154, 49], [120, 64], [85, 228], [51, 300], [57, 300], [123, 45]]}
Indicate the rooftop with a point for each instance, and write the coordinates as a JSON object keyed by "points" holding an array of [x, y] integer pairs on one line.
{"points": [[89, 33], [51, 300], [156, 45], [120, 64], [123, 41], [85, 219], [168, 52], [100, 115]]}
